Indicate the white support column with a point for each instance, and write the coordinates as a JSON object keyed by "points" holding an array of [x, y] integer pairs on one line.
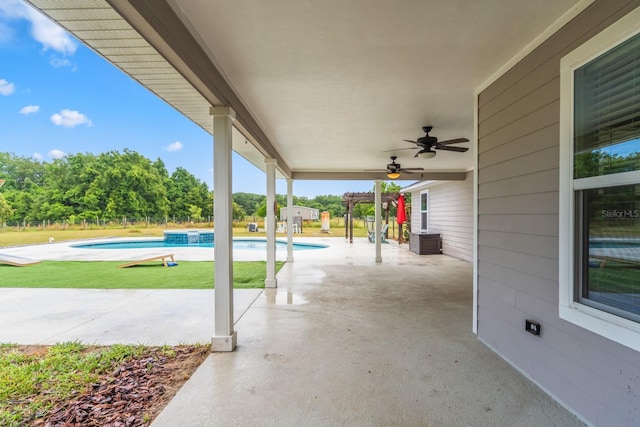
{"points": [[224, 338], [474, 324], [378, 222], [270, 281], [289, 220]]}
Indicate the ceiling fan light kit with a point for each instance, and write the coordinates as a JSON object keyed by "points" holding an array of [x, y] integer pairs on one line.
{"points": [[426, 154], [425, 145], [393, 169]]}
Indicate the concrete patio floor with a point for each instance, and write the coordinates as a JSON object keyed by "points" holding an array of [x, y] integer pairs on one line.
{"points": [[343, 341]]}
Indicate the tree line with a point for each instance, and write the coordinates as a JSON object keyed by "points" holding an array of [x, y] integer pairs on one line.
{"points": [[114, 185], [106, 186]]}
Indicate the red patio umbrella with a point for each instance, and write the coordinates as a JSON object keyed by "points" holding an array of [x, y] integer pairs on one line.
{"points": [[402, 215]]}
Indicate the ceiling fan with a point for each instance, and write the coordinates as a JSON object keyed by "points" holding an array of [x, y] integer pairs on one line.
{"points": [[393, 169], [428, 143]]}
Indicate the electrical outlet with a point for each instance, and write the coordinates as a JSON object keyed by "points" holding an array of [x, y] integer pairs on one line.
{"points": [[533, 327]]}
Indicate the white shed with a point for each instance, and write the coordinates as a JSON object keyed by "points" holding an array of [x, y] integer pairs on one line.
{"points": [[305, 212]]}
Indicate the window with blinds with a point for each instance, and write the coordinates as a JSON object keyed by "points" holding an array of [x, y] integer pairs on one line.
{"points": [[599, 176], [606, 145], [607, 112]]}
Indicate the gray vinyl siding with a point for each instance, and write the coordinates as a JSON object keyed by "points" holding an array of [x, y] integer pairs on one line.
{"points": [[450, 215], [415, 212], [518, 164]]}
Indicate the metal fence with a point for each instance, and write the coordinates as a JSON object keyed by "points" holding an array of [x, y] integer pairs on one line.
{"points": [[123, 222]]}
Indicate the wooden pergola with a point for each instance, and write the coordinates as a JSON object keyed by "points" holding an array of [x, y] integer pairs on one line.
{"points": [[351, 199]]}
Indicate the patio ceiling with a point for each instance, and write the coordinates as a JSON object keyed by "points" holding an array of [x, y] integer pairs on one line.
{"points": [[325, 87]]}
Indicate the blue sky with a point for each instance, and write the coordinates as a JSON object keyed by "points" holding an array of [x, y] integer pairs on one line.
{"points": [[58, 97]]}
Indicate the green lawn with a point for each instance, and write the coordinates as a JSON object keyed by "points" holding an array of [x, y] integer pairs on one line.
{"points": [[106, 275]]}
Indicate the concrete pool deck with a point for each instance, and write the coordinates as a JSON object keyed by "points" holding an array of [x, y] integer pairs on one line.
{"points": [[66, 252]]}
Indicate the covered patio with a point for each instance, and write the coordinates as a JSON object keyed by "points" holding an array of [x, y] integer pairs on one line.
{"points": [[347, 341], [314, 92]]}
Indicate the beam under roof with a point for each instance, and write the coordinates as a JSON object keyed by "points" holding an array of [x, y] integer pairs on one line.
{"points": [[368, 176]]}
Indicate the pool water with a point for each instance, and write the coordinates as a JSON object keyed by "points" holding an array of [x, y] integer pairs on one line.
{"points": [[241, 244]]}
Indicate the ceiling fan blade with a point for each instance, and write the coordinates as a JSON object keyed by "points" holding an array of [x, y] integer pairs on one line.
{"points": [[412, 169], [408, 140], [453, 141], [376, 170], [447, 148], [398, 149]]}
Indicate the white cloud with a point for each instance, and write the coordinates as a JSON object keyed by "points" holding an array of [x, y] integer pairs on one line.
{"points": [[70, 119], [56, 154], [50, 35], [57, 62], [6, 88], [12, 8], [45, 31], [37, 156], [6, 33], [30, 109], [174, 146]]}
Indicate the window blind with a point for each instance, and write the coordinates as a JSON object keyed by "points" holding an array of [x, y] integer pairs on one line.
{"points": [[607, 98]]}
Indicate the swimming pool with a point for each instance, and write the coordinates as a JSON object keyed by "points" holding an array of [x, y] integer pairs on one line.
{"points": [[240, 244]]}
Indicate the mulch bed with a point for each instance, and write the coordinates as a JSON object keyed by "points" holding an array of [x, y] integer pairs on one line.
{"points": [[133, 395]]}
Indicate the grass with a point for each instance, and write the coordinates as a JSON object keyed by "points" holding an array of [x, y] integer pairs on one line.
{"points": [[11, 237], [106, 275], [617, 278], [32, 384]]}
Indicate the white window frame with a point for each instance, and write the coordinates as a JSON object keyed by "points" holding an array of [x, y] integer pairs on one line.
{"points": [[615, 328], [424, 227]]}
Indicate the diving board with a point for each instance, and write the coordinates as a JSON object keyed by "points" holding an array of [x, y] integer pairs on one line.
{"points": [[17, 261], [162, 258]]}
